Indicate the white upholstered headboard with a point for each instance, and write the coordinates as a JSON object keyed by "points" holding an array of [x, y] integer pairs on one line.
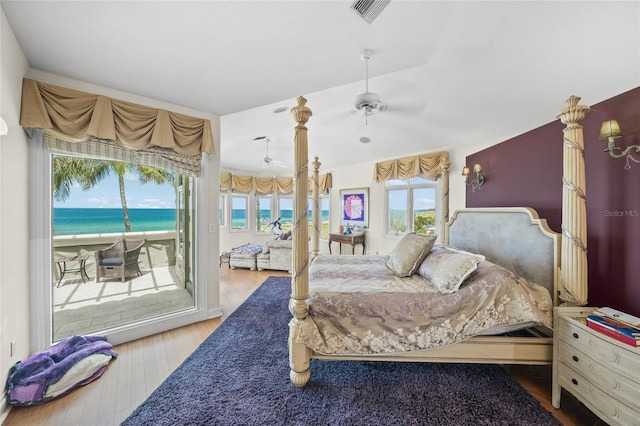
{"points": [[512, 237]]}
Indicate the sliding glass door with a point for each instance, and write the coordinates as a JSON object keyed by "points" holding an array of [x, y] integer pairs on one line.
{"points": [[160, 289]]}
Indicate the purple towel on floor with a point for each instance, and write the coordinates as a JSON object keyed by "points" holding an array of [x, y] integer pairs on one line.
{"points": [[45, 368]]}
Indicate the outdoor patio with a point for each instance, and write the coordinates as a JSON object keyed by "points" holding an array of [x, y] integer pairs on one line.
{"points": [[81, 307]]}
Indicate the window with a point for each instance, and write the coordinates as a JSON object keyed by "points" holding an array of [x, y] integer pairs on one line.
{"points": [[239, 211], [98, 202], [263, 213], [262, 209], [411, 206], [285, 212], [44, 279], [323, 202]]}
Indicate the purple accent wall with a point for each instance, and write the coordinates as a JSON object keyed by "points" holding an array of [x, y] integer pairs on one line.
{"points": [[527, 171]]}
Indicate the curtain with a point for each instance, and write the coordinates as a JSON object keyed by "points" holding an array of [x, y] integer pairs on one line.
{"points": [[267, 185], [425, 165], [107, 150], [74, 116]]}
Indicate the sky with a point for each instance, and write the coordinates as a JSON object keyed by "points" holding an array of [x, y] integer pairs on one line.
{"points": [[107, 195], [423, 199]]}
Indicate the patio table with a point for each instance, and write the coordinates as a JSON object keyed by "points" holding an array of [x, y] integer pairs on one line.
{"points": [[82, 262]]}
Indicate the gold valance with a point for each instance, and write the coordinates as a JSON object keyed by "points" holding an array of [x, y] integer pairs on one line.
{"points": [[280, 185], [425, 165], [74, 116]]}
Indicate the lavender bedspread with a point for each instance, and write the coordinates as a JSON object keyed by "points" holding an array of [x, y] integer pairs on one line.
{"points": [[357, 306], [29, 379]]}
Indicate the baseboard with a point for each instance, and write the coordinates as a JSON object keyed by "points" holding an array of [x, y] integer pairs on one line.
{"points": [[5, 408], [214, 313]]}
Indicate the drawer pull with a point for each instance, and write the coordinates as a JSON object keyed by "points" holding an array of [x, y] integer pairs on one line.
{"points": [[575, 335], [574, 381], [575, 358]]}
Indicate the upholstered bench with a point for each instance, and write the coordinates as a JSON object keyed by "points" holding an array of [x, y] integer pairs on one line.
{"points": [[245, 256]]}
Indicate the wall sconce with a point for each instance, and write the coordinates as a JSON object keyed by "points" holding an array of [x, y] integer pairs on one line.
{"points": [[478, 181], [610, 131], [3, 127]]}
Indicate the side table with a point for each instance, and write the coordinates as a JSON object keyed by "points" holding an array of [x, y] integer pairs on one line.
{"points": [[351, 239], [225, 257], [601, 372], [82, 262]]}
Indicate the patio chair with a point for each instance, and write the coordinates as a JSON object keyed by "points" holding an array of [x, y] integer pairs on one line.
{"points": [[119, 260]]}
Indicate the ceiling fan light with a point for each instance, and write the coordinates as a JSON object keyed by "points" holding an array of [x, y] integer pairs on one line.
{"points": [[369, 102]]}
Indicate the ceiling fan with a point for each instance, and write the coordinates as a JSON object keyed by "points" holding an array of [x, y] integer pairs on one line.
{"points": [[368, 102], [268, 161], [404, 99]]}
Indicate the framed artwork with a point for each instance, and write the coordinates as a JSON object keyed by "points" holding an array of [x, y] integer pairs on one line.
{"points": [[355, 206]]}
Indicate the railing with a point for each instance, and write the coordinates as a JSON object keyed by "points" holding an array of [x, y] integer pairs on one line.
{"points": [[159, 250]]}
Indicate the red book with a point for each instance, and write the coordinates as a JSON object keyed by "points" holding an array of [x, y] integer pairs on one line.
{"points": [[613, 334], [617, 326]]}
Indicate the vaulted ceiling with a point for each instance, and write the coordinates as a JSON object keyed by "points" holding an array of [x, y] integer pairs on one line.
{"points": [[449, 73]]}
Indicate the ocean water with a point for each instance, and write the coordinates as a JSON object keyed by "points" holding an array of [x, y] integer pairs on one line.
{"points": [[79, 221], [238, 216]]}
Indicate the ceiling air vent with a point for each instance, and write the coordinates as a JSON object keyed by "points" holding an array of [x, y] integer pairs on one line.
{"points": [[369, 9]]}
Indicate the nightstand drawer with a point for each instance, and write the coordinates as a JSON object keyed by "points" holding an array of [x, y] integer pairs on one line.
{"points": [[601, 403], [607, 380], [600, 348]]}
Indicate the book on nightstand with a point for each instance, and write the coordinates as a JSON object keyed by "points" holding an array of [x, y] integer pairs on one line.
{"points": [[629, 320], [618, 330]]}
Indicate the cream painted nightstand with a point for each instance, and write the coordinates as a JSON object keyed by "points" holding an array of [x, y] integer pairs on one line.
{"points": [[602, 373]]}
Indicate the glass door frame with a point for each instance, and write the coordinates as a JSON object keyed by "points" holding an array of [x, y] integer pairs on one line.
{"points": [[41, 274]]}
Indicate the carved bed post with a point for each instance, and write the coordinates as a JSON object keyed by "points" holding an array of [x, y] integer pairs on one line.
{"points": [[299, 354], [317, 213], [573, 265], [444, 198]]}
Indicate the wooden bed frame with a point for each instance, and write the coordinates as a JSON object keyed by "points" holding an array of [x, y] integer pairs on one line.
{"points": [[515, 238]]}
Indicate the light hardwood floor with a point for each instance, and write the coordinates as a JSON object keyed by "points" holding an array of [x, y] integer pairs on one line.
{"points": [[142, 365]]}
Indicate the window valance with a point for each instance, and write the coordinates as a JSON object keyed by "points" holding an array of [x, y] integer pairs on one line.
{"points": [[73, 116], [108, 150], [425, 165], [268, 185]]}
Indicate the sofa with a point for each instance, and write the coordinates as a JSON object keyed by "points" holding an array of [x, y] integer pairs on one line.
{"points": [[276, 255]]}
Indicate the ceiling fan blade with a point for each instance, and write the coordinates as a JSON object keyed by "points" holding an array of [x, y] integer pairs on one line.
{"points": [[401, 96]]}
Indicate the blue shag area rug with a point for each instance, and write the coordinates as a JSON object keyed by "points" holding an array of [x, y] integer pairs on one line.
{"points": [[240, 376]]}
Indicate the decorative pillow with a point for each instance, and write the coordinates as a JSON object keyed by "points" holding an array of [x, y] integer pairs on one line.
{"points": [[285, 235], [406, 257], [447, 268]]}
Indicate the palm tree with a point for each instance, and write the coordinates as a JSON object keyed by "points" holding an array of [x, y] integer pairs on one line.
{"points": [[89, 172]]}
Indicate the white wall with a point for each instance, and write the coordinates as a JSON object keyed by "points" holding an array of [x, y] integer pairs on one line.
{"points": [[361, 176], [209, 184], [14, 213], [14, 209]]}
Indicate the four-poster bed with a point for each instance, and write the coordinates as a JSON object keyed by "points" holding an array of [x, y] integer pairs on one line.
{"points": [[512, 240]]}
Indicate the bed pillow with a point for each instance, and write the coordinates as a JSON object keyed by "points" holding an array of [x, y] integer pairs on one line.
{"points": [[447, 268], [406, 257]]}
